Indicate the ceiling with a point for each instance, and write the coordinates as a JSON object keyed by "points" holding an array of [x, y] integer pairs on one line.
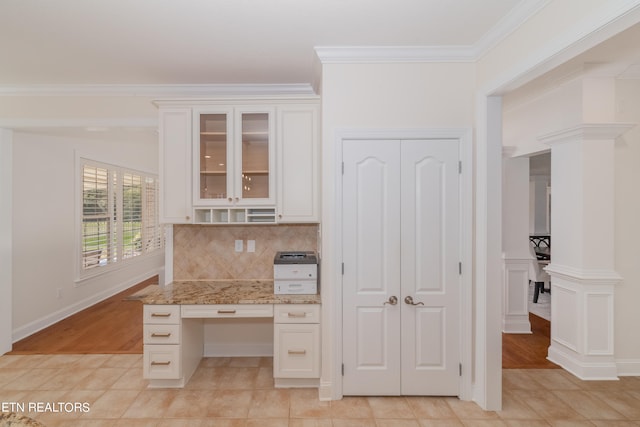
{"points": [[68, 42]]}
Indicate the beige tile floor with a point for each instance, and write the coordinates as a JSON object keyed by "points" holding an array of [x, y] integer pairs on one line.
{"points": [[232, 392]]}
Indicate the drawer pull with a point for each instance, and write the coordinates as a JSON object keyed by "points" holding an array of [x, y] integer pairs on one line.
{"points": [[226, 312], [161, 363], [297, 352], [156, 335], [160, 314], [289, 314]]}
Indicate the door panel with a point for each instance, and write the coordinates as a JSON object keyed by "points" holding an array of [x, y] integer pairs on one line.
{"points": [[371, 251], [401, 238], [430, 257]]}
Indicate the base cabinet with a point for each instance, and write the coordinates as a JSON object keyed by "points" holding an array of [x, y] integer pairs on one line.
{"points": [[296, 349], [172, 346], [174, 340]]}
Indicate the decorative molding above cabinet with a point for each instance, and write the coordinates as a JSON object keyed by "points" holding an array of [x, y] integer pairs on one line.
{"points": [[239, 161]]}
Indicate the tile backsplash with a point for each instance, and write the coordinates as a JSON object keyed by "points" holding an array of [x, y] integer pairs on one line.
{"points": [[205, 252]]}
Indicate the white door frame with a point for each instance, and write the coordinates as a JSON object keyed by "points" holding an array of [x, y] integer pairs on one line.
{"points": [[464, 136]]}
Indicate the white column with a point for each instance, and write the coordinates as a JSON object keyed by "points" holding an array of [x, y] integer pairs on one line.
{"points": [[515, 244], [582, 268], [6, 250]]}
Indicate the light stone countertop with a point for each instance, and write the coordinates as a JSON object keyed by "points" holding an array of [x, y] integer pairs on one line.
{"points": [[219, 292]]}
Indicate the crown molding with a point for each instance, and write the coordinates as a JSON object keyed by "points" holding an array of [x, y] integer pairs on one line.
{"points": [[587, 132], [393, 54], [159, 91], [508, 24], [399, 54]]}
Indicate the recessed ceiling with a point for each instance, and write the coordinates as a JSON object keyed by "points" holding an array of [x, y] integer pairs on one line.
{"points": [[220, 41]]}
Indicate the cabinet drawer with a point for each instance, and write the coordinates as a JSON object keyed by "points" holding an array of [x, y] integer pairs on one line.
{"points": [[161, 334], [161, 314], [296, 313], [161, 362], [296, 351], [205, 311]]}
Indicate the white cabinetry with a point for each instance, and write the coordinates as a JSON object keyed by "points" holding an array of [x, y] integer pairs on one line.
{"points": [[172, 345], [175, 165], [296, 358], [239, 161], [233, 156], [298, 174]]}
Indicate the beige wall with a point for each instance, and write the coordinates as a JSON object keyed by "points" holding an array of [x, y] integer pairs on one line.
{"points": [[44, 227], [206, 252]]}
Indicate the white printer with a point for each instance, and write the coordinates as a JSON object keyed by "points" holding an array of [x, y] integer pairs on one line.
{"points": [[295, 273]]}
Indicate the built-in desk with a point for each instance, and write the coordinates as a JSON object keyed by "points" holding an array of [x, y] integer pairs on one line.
{"points": [[173, 328]]}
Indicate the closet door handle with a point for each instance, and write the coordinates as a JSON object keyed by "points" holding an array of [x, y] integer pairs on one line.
{"points": [[409, 300], [393, 300]]}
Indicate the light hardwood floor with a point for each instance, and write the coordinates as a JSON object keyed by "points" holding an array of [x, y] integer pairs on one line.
{"points": [[112, 326]]}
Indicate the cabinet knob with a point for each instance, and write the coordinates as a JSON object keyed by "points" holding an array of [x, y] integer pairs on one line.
{"points": [[187, 217], [230, 199], [237, 199]]}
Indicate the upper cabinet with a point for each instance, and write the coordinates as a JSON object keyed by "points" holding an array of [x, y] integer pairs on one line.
{"points": [[175, 165], [234, 156], [298, 172], [231, 163]]}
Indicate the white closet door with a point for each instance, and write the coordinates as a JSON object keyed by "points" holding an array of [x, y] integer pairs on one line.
{"points": [[401, 240], [371, 253], [430, 270]]}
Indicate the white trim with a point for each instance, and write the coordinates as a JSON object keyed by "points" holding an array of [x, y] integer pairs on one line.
{"points": [[464, 137], [522, 12], [451, 53], [95, 125], [6, 244], [513, 321], [587, 132], [604, 371], [156, 91], [393, 54], [43, 322], [582, 276]]}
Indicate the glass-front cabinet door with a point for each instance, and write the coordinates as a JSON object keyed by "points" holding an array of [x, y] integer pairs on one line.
{"points": [[234, 151], [213, 156]]}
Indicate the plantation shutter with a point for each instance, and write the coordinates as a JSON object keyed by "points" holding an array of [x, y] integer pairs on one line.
{"points": [[131, 215], [97, 217], [152, 232], [119, 215]]}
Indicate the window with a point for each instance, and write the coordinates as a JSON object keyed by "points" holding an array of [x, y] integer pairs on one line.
{"points": [[119, 216]]}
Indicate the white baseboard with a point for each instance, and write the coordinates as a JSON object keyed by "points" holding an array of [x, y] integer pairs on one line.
{"points": [[596, 370], [46, 321], [516, 324], [325, 391]]}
